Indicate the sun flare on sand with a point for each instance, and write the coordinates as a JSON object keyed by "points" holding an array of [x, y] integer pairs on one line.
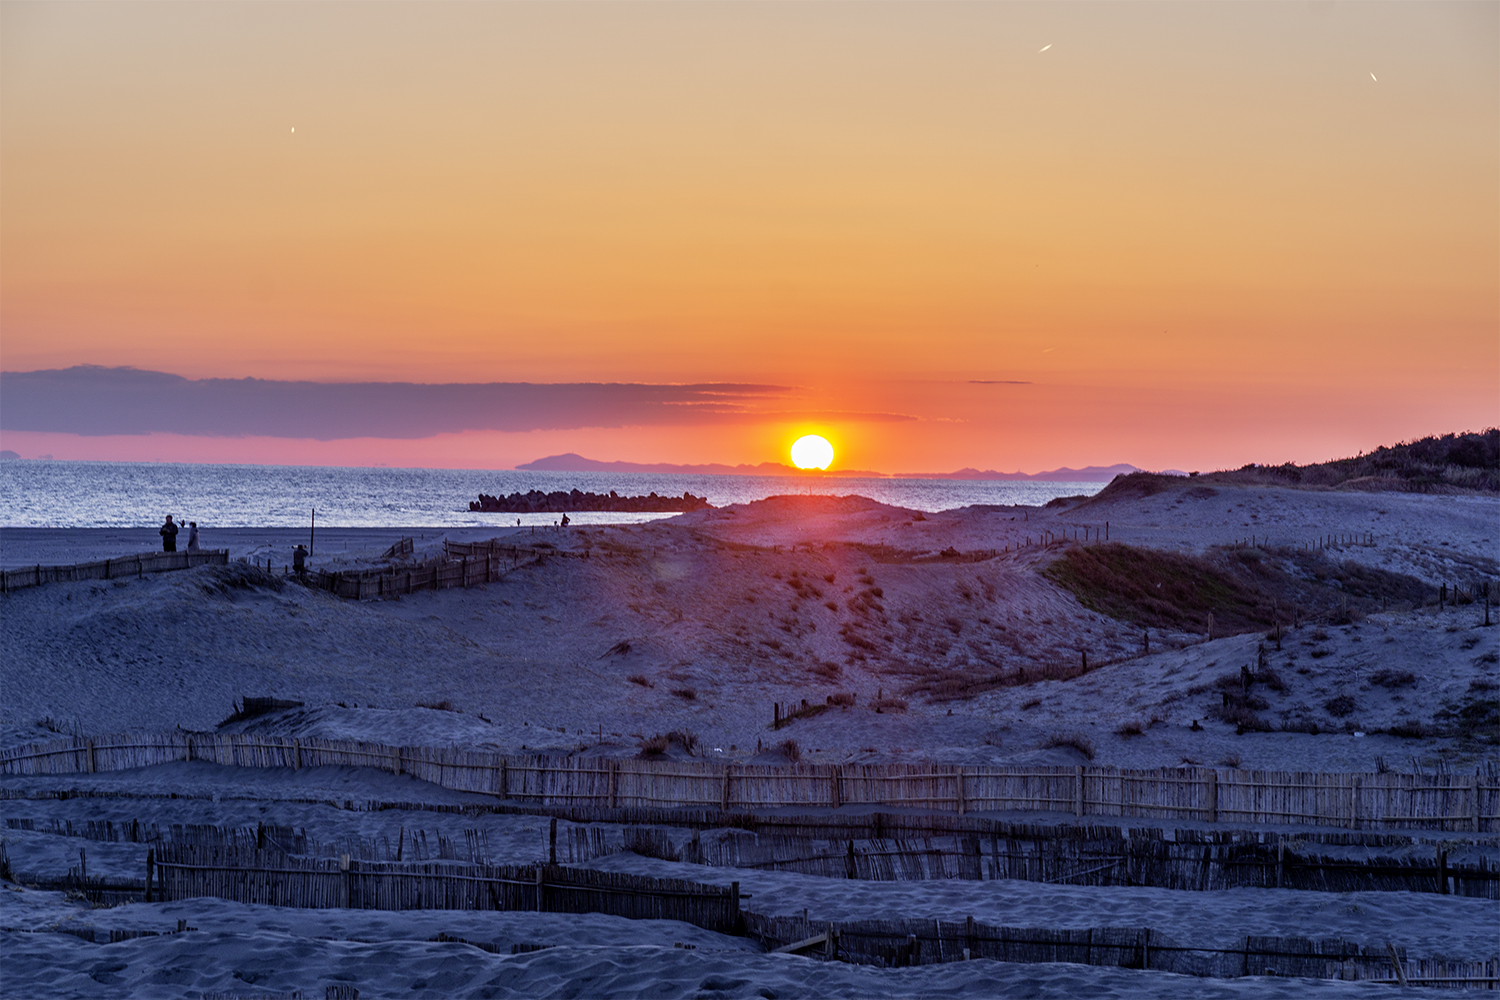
{"points": [[812, 451]]}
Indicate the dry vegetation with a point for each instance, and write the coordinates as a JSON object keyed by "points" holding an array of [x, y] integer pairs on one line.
{"points": [[1078, 741], [1245, 589], [656, 746], [1451, 463]]}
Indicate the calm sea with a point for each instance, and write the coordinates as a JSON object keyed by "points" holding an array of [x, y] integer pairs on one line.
{"points": [[43, 494]]}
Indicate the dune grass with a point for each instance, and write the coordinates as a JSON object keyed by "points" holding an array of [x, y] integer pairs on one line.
{"points": [[1244, 589]]}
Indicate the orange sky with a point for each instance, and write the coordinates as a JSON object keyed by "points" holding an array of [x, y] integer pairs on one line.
{"points": [[1206, 234]]}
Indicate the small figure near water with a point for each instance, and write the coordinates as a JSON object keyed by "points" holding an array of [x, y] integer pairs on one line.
{"points": [[193, 536], [168, 535], [299, 562], [565, 521]]}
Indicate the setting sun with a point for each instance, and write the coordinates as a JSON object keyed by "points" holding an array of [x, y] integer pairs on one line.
{"points": [[812, 452]]}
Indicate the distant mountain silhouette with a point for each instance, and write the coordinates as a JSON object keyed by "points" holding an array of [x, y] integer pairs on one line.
{"points": [[577, 463], [1089, 474]]}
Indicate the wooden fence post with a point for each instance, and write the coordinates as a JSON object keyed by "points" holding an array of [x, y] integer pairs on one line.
{"points": [[1390, 950], [1474, 798], [724, 792], [1211, 797], [959, 778], [1078, 791]]}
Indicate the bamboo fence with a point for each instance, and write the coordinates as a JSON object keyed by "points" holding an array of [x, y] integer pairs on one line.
{"points": [[111, 569], [895, 943], [1183, 859], [1449, 802], [409, 845], [275, 879], [1193, 860], [461, 565]]}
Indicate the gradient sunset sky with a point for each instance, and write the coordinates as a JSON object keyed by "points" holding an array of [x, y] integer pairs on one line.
{"points": [[999, 235]]}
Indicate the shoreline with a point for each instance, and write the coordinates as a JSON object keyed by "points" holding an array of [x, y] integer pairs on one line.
{"points": [[22, 547]]}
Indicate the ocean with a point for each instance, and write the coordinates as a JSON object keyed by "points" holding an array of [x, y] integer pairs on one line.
{"points": [[49, 494]]}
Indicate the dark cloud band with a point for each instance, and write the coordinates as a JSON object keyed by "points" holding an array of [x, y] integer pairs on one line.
{"points": [[93, 400]]}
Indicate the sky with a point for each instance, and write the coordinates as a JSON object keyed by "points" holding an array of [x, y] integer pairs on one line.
{"points": [[990, 235]]}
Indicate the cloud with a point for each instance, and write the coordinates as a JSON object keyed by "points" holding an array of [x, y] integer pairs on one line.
{"points": [[93, 400]]}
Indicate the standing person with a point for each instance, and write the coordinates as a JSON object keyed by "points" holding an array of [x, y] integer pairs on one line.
{"points": [[168, 535], [192, 536], [299, 562]]}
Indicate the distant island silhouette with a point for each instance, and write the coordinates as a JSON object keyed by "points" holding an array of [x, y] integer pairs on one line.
{"points": [[577, 463]]}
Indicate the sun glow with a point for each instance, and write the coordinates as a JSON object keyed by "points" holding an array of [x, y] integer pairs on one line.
{"points": [[812, 451]]}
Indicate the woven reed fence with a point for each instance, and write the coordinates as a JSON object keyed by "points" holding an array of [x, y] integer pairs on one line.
{"points": [[1357, 801], [494, 546], [1194, 860], [461, 566], [472, 846], [111, 569], [275, 879], [889, 943]]}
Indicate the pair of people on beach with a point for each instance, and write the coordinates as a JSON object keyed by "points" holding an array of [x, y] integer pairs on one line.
{"points": [[169, 532]]}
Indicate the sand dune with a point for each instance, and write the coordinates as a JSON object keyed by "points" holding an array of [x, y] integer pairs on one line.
{"points": [[700, 623]]}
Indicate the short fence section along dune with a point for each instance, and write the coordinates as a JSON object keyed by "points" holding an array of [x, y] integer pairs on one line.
{"points": [[989, 849], [1192, 860], [272, 878], [467, 564], [1449, 802], [896, 943], [111, 569]]}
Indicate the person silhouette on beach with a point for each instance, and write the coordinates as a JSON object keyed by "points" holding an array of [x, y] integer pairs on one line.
{"points": [[168, 535], [192, 536], [299, 562], [565, 521]]}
